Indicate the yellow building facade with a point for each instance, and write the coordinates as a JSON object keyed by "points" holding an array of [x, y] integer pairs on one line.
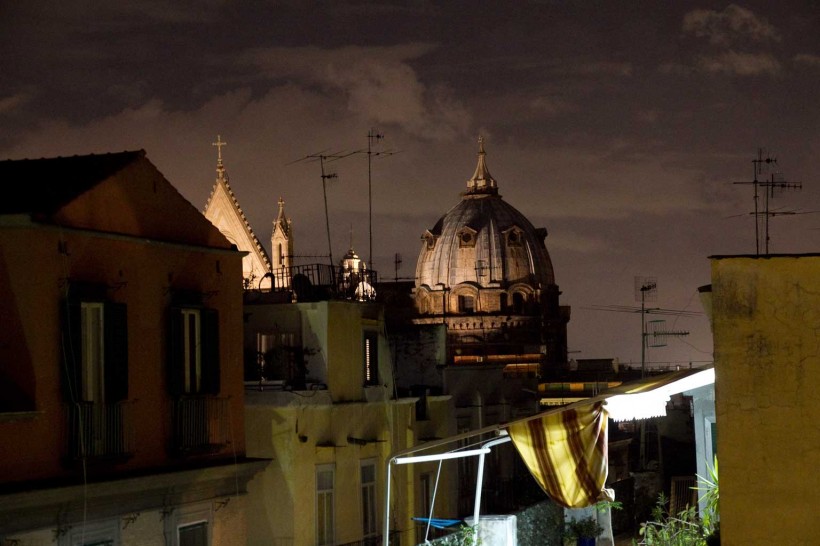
{"points": [[766, 319], [330, 435]]}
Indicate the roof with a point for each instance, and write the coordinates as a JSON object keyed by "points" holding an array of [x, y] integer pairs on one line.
{"points": [[484, 240], [45, 185]]}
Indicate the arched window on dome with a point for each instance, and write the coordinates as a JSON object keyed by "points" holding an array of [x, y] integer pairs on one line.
{"points": [[503, 303], [519, 302], [466, 304], [423, 305]]}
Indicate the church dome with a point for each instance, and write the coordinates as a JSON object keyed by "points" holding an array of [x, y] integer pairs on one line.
{"points": [[484, 242]]}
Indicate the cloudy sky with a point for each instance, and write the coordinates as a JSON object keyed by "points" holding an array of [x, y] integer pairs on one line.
{"points": [[618, 126]]}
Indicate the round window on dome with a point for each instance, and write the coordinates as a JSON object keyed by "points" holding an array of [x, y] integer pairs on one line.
{"points": [[466, 239]]}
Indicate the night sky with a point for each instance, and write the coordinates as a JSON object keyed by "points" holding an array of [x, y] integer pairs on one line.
{"points": [[618, 126]]}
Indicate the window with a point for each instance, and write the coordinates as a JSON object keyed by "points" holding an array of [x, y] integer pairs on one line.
{"points": [[95, 351], [93, 372], [278, 357], [370, 524], [466, 304], [194, 351], [371, 358], [324, 505], [105, 533], [519, 301], [514, 237], [195, 534], [192, 357], [466, 238], [189, 525]]}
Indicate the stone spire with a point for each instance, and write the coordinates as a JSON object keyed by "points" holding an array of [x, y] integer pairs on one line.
{"points": [[220, 167], [482, 181], [282, 246], [282, 222]]}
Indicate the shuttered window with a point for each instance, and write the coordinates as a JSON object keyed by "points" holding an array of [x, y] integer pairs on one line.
{"points": [[94, 339], [193, 366], [370, 352]]}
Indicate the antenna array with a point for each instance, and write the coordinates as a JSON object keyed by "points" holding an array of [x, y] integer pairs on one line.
{"points": [[776, 181]]}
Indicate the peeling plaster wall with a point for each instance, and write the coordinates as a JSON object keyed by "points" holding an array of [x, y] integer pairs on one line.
{"points": [[767, 362]]}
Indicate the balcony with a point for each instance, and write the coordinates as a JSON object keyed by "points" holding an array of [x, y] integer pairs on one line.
{"points": [[319, 282], [100, 431], [200, 424]]}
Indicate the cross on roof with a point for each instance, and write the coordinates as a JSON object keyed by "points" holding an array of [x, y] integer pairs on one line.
{"points": [[219, 143]]}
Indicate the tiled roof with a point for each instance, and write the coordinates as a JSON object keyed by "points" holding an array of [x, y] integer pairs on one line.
{"points": [[45, 185]]}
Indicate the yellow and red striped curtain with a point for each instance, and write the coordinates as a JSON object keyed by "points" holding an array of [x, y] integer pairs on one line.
{"points": [[566, 452]]}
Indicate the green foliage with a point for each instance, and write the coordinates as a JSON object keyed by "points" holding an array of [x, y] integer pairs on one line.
{"points": [[710, 496], [583, 528], [665, 529], [687, 527], [603, 505], [464, 536]]}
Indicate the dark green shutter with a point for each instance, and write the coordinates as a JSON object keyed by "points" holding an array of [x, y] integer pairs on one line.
{"points": [[116, 352], [371, 364], [176, 355], [71, 355], [209, 337]]}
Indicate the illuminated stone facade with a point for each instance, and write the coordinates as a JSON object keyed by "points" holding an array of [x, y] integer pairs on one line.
{"points": [[485, 272]]}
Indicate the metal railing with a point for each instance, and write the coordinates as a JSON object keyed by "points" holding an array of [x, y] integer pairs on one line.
{"points": [[200, 423], [97, 430], [323, 281]]}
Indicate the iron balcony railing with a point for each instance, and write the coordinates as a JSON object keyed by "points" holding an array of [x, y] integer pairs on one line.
{"points": [[312, 282], [200, 424], [98, 430]]}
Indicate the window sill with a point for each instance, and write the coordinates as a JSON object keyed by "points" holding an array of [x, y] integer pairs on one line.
{"points": [[18, 416]]}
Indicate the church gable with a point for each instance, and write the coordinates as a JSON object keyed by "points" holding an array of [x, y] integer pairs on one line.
{"points": [[224, 212]]}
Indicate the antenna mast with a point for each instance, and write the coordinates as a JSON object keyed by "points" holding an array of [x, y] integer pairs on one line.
{"points": [[322, 157], [396, 265], [776, 181], [371, 136], [325, 177]]}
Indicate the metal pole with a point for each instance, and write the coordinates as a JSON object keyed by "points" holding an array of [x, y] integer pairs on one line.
{"points": [[327, 218], [386, 537], [370, 137], [480, 481]]}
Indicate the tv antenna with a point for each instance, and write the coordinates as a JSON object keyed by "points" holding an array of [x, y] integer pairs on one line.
{"points": [[760, 166], [653, 332], [372, 136], [323, 158], [396, 264]]}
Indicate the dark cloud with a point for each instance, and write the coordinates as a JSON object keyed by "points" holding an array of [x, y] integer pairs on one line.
{"points": [[618, 126], [733, 26]]}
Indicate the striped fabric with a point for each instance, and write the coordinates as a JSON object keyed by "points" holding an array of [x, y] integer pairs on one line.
{"points": [[566, 452]]}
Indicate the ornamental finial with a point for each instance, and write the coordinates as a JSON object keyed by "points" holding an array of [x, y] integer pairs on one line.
{"points": [[220, 169]]}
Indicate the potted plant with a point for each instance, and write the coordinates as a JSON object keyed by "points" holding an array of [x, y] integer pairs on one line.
{"points": [[584, 530]]}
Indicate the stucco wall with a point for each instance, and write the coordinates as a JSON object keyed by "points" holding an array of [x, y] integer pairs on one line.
{"points": [[766, 314], [298, 438]]}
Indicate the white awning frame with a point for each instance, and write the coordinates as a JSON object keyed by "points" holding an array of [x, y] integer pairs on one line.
{"points": [[631, 401]]}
